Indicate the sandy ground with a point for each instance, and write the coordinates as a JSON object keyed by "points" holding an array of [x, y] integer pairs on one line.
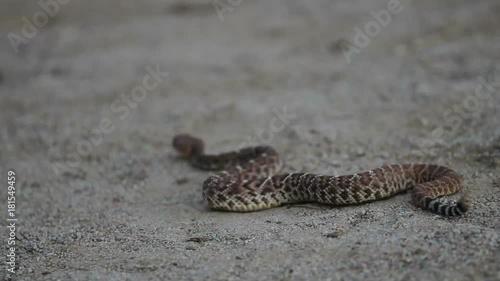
{"points": [[283, 73]]}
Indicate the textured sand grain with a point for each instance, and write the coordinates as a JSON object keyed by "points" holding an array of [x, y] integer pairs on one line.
{"points": [[132, 210]]}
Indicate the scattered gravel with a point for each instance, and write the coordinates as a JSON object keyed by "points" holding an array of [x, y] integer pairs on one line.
{"points": [[132, 209]]}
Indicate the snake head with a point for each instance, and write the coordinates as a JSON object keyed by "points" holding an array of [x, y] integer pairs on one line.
{"points": [[188, 145]]}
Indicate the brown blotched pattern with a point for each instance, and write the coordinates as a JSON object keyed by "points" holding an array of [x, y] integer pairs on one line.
{"points": [[248, 182]]}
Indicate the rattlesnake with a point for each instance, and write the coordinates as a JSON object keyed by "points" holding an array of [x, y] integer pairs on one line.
{"points": [[248, 181]]}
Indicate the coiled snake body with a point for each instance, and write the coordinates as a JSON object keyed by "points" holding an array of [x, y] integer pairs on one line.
{"points": [[248, 182]]}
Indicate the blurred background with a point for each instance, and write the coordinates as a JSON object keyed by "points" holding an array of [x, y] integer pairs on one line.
{"points": [[92, 92]]}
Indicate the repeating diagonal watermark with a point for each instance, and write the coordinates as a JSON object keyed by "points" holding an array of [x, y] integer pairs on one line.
{"points": [[265, 136], [363, 36], [485, 90], [454, 117], [223, 6], [121, 108], [277, 124], [39, 19]]}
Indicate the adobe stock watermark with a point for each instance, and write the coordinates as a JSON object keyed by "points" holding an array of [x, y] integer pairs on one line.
{"points": [[39, 19], [223, 6], [454, 118], [363, 37], [121, 108], [278, 123]]}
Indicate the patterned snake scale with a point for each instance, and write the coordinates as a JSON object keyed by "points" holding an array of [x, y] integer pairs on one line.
{"points": [[247, 181]]}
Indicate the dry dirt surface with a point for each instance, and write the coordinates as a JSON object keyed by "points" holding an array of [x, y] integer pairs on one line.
{"points": [[91, 96]]}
